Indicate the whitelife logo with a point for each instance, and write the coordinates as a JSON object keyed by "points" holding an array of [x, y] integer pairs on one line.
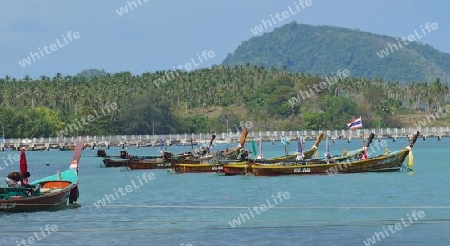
{"points": [[188, 67], [411, 38], [90, 118], [280, 17], [123, 10], [109, 198], [49, 49], [262, 208]]}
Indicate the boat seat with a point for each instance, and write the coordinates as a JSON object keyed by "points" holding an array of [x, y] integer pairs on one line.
{"points": [[49, 190]]}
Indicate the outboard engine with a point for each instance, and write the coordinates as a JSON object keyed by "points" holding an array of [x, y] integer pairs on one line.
{"points": [[167, 156], [123, 154], [101, 153], [73, 195]]}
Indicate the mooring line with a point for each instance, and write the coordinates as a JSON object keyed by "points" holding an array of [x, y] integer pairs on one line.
{"points": [[275, 207], [97, 230]]}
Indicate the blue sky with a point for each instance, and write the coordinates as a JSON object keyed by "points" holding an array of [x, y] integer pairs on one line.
{"points": [[160, 34]]}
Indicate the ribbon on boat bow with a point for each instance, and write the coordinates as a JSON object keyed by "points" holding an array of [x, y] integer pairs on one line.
{"points": [[410, 159]]}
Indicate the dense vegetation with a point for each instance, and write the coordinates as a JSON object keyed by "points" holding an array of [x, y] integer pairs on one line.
{"points": [[325, 49], [205, 100]]}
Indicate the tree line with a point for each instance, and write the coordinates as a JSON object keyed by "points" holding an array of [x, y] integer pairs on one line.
{"points": [[205, 100]]}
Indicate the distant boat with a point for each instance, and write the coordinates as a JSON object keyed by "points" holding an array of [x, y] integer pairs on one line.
{"points": [[67, 148], [149, 164], [194, 143], [115, 162], [197, 168]]}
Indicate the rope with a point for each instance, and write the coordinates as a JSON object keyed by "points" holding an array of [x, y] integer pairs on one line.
{"points": [[235, 207], [241, 227], [276, 207], [37, 204], [447, 220]]}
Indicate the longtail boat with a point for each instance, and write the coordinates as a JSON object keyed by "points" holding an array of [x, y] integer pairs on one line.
{"points": [[50, 193], [168, 160], [124, 159], [244, 167], [116, 162], [197, 168], [387, 162], [161, 163], [193, 159], [210, 164], [237, 168], [148, 164], [124, 155]]}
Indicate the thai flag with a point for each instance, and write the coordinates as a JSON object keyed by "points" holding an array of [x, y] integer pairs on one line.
{"points": [[355, 124]]}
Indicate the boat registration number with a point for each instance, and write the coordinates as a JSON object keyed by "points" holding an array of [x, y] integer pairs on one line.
{"points": [[388, 161], [7, 205], [302, 170], [163, 165], [217, 168]]}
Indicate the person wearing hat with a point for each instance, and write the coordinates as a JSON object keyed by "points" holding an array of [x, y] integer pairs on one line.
{"points": [[15, 179]]}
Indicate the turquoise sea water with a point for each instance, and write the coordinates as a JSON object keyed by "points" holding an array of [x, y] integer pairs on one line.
{"points": [[195, 209]]}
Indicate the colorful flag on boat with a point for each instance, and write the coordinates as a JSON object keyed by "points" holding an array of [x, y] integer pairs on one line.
{"points": [[23, 165], [300, 145], [285, 142], [254, 147], [355, 124], [260, 156], [327, 149], [300, 155]]}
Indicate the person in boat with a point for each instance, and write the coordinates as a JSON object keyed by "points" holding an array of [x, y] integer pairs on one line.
{"points": [[244, 155], [24, 181], [15, 179]]}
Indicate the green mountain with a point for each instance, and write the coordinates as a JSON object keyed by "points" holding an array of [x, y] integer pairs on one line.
{"points": [[323, 50]]}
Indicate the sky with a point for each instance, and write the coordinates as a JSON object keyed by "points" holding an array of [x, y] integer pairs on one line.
{"points": [[160, 35]]}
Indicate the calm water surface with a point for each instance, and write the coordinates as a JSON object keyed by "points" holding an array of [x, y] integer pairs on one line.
{"points": [[197, 209]]}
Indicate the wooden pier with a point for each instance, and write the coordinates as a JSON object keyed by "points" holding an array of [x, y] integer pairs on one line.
{"points": [[231, 137]]}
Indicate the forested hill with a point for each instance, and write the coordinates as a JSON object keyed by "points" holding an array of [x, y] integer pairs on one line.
{"points": [[209, 100], [325, 49]]}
